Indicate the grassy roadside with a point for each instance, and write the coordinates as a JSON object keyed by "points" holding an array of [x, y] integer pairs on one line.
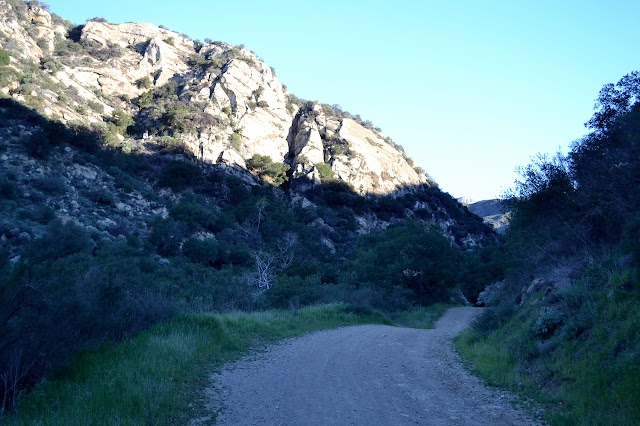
{"points": [[423, 317], [157, 376], [586, 375]]}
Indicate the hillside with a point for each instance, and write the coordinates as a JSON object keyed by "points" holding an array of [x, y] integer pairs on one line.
{"points": [[562, 326], [144, 174], [491, 211], [217, 101]]}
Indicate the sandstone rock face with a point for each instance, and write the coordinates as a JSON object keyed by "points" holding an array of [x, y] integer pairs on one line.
{"points": [[249, 109], [38, 19], [357, 155], [208, 102], [377, 166]]}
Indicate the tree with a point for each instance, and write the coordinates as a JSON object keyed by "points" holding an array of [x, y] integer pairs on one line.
{"points": [[325, 170], [615, 100], [410, 257], [269, 263], [179, 117], [264, 166], [121, 120], [144, 82]]}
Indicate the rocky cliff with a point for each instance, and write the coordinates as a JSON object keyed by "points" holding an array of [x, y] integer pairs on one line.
{"points": [[238, 105], [148, 90]]}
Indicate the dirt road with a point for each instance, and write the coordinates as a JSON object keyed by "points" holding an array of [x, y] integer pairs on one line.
{"points": [[362, 375]]}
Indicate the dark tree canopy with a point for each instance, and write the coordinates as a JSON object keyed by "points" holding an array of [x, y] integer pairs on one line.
{"points": [[614, 100]]}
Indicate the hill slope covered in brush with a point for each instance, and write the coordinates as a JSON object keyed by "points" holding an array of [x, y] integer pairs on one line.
{"points": [[144, 174]]}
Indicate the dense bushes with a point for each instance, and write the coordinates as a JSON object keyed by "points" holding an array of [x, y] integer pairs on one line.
{"points": [[265, 167], [178, 175], [164, 113], [413, 257], [61, 296], [325, 171], [572, 331], [566, 206], [206, 245]]}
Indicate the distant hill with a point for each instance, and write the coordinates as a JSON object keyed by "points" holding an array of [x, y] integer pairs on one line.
{"points": [[491, 212]]}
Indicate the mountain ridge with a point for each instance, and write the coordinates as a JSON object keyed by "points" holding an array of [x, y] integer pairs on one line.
{"points": [[491, 211], [145, 89], [242, 109]]}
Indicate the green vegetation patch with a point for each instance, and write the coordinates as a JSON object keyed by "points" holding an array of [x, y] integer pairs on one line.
{"points": [[155, 377], [4, 57], [265, 167], [423, 317], [579, 359], [325, 170]]}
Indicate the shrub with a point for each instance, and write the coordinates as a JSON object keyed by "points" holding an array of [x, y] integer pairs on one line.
{"points": [[99, 196], [38, 145], [490, 296], [170, 41], [143, 83], [204, 252], [170, 144], [179, 175], [179, 117], [38, 213], [264, 166], [8, 189], [4, 57], [166, 235], [325, 171], [492, 318], [548, 321], [86, 140], [121, 120], [96, 106], [144, 100], [196, 60], [235, 140], [42, 44], [294, 292], [51, 64], [193, 214], [61, 239], [106, 53]]}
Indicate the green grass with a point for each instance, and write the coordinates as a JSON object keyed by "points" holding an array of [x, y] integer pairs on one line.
{"points": [[422, 317], [157, 377], [591, 377]]}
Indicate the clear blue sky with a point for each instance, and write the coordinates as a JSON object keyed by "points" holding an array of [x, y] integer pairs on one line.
{"points": [[471, 89]]}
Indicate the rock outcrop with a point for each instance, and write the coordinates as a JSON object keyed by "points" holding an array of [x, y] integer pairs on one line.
{"points": [[360, 156], [111, 66], [147, 90]]}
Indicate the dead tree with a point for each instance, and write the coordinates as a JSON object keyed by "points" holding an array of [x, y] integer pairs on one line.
{"points": [[270, 263]]}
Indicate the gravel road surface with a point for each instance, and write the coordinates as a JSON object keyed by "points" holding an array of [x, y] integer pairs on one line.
{"points": [[361, 375]]}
